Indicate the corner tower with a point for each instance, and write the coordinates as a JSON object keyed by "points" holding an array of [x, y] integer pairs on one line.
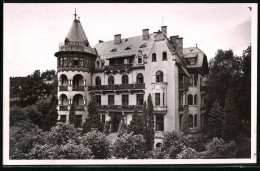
{"points": [[75, 60]]}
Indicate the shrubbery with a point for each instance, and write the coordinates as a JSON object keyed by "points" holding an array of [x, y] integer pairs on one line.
{"points": [[129, 146]]}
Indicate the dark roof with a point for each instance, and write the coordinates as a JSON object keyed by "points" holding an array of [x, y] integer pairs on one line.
{"points": [[194, 52]]}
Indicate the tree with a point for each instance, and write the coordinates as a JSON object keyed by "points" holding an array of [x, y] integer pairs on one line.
{"points": [[149, 137], [16, 115], [129, 146], [230, 119], [186, 122], [72, 114], [93, 120], [136, 125], [52, 115], [215, 120], [122, 127], [97, 143]]}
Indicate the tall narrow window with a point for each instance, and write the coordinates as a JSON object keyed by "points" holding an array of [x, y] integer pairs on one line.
{"points": [[110, 80], [98, 81], [139, 60], [190, 99], [61, 61], [164, 56], [195, 99], [98, 64], [103, 118], [195, 120], [140, 99], [78, 121], [75, 61], [163, 99], [159, 76], [111, 100], [139, 78], [80, 61], [157, 99], [190, 121], [153, 57], [98, 99], [124, 79], [159, 123], [125, 99], [195, 80]]}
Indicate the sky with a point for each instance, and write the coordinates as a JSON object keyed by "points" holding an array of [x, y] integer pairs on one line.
{"points": [[32, 32]]}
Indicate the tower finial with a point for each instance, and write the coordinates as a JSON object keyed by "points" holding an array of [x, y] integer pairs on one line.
{"points": [[75, 14]]}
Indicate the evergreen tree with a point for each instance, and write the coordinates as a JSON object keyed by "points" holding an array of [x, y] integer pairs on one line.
{"points": [[136, 125], [52, 116], [230, 119], [186, 122], [122, 127], [150, 110], [215, 120], [72, 114], [93, 120]]}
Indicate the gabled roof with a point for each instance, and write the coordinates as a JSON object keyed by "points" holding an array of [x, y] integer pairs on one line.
{"points": [[132, 44]]}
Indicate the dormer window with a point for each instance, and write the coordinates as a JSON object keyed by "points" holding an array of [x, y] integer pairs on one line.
{"points": [[139, 60], [164, 54], [154, 57], [113, 50], [128, 48], [86, 43], [142, 46]]}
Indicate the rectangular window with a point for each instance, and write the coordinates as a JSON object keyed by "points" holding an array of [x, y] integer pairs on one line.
{"points": [[98, 99], [192, 61], [159, 123], [63, 118], [157, 99], [111, 100], [163, 99], [78, 121], [140, 99], [125, 99], [75, 61], [80, 61], [103, 118], [65, 62]]}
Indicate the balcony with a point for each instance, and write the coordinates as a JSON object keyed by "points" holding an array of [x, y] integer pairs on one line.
{"points": [[79, 108], [63, 88], [117, 68], [117, 87], [78, 88], [203, 88], [119, 107], [183, 107], [63, 108], [160, 109], [72, 46], [183, 86]]}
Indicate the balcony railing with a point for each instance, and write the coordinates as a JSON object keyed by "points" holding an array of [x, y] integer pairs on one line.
{"points": [[78, 88], [117, 87], [203, 88], [63, 88], [119, 107], [183, 107], [63, 108], [183, 86], [160, 108], [79, 108], [121, 67]]}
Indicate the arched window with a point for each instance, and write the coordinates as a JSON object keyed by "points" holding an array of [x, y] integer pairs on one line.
{"points": [[139, 78], [98, 81], [124, 79], [139, 60], [190, 101], [159, 76], [164, 56], [195, 99], [110, 80], [195, 120], [153, 57]]}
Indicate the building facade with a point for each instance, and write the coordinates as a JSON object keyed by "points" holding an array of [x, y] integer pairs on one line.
{"points": [[122, 72]]}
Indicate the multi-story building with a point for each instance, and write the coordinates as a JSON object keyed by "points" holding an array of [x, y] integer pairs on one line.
{"points": [[122, 72]]}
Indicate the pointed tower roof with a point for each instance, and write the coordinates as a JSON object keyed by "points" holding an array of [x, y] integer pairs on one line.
{"points": [[76, 32]]}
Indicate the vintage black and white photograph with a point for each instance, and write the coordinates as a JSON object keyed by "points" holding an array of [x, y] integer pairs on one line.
{"points": [[112, 83]]}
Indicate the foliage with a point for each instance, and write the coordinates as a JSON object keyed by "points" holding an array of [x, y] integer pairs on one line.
{"points": [[230, 120], [215, 120], [107, 127], [129, 146], [70, 150], [186, 122], [52, 115], [16, 115], [190, 153], [23, 137], [97, 143], [93, 120], [72, 114], [62, 133], [122, 127], [219, 149], [136, 125]]}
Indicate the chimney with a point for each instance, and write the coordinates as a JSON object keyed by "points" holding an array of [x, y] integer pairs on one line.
{"points": [[117, 39], [100, 41], [164, 30], [145, 34], [173, 39], [179, 47]]}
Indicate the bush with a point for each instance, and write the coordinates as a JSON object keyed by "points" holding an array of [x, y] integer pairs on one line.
{"points": [[218, 149], [190, 153], [122, 128], [23, 137], [129, 146], [97, 143], [67, 151], [62, 133]]}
